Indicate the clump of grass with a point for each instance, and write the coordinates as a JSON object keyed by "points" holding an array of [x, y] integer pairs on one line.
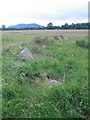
{"points": [[82, 43], [8, 93], [42, 41]]}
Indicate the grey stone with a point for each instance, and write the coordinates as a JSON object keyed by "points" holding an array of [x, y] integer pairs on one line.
{"points": [[25, 54], [52, 81], [61, 38], [43, 75], [44, 46]]}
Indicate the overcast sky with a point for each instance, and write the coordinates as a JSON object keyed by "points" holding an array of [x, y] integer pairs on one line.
{"points": [[43, 11]]}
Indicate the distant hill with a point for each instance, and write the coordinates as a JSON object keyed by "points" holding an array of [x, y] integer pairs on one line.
{"points": [[23, 26]]}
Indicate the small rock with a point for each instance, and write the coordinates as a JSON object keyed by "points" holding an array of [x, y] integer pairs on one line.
{"points": [[43, 75], [25, 54], [52, 81], [43, 46], [61, 37]]}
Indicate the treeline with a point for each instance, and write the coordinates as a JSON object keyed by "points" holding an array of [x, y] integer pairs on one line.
{"points": [[50, 26], [76, 26], [71, 26]]}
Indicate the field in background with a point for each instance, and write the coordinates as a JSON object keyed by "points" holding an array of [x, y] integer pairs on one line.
{"points": [[47, 32], [26, 93]]}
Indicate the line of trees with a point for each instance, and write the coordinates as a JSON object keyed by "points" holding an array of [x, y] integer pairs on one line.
{"points": [[50, 26], [71, 26]]}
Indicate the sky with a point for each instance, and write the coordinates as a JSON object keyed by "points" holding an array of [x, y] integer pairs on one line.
{"points": [[42, 12]]}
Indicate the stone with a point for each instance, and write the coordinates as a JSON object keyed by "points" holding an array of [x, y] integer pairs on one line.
{"points": [[48, 79], [61, 37], [43, 75], [52, 81], [25, 54], [44, 46]]}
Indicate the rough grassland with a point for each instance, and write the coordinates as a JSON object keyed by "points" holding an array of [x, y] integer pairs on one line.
{"points": [[26, 94]]}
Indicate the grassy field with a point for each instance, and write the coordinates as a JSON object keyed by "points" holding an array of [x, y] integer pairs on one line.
{"points": [[28, 95]]}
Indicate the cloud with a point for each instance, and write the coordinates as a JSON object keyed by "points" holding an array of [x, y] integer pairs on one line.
{"points": [[27, 11]]}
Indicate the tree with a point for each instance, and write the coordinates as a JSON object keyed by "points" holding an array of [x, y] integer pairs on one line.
{"points": [[50, 25], [66, 26], [3, 27]]}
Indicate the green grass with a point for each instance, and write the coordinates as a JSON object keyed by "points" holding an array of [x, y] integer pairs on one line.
{"points": [[83, 43], [0, 75], [31, 96]]}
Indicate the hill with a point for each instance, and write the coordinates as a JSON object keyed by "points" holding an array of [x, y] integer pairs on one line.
{"points": [[23, 26]]}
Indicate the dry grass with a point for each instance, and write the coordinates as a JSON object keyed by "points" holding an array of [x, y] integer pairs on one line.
{"points": [[47, 32]]}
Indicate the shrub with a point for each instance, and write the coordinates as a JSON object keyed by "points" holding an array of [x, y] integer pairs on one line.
{"points": [[82, 43], [42, 41]]}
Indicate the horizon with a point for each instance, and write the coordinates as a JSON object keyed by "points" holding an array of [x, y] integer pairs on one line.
{"points": [[43, 12], [42, 25]]}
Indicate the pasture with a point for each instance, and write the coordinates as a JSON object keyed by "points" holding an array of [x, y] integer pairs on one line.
{"points": [[27, 92]]}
